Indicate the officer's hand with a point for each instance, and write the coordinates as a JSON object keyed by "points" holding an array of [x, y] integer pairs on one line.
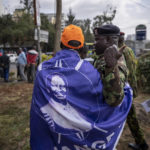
{"points": [[112, 55]]}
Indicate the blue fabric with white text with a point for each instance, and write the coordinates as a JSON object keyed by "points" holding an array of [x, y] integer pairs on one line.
{"points": [[68, 111]]}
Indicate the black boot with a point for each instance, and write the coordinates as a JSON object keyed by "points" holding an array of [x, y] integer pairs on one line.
{"points": [[134, 146], [143, 146]]}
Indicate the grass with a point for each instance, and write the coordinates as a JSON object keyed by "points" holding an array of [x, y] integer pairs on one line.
{"points": [[14, 117]]}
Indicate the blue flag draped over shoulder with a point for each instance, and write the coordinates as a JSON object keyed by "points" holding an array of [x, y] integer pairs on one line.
{"points": [[68, 111]]}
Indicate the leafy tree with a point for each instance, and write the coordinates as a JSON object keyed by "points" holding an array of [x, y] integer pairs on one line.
{"points": [[88, 36], [6, 29], [86, 28], [16, 32], [71, 18], [24, 29], [84, 24], [106, 18]]}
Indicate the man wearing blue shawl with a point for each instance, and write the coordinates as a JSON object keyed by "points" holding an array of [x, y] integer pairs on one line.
{"points": [[68, 110]]}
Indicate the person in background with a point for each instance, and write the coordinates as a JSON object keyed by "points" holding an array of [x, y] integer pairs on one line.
{"points": [[1, 68], [83, 52], [31, 64], [5, 64], [132, 120], [22, 61]]}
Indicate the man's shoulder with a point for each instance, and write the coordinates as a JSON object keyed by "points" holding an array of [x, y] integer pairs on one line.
{"points": [[128, 50]]}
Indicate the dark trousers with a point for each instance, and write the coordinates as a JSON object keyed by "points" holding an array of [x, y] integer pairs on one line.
{"points": [[134, 126], [1, 72], [31, 72], [6, 74]]}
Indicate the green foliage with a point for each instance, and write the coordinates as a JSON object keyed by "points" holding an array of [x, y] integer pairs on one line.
{"points": [[71, 17], [87, 31], [22, 30], [84, 24], [46, 57], [143, 72], [25, 27], [6, 29], [16, 32], [88, 36]]}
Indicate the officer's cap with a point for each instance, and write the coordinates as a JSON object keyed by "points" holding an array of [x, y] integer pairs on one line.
{"points": [[108, 29]]}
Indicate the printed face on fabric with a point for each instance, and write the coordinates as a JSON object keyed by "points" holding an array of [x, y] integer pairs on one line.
{"points": [[61, 116], [57, 85]]}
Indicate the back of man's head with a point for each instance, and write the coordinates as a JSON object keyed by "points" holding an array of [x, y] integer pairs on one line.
{"points": [[121, 37], [72, 37]]}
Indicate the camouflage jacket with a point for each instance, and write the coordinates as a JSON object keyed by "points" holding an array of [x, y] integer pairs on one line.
{"points": [[113, 80], [131, 65], [143, 72]]}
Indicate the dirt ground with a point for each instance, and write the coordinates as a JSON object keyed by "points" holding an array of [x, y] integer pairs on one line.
{"points": [[15, 99], [144, 121]]}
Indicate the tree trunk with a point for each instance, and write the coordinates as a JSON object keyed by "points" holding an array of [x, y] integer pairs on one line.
{"points": [[58, 25]]}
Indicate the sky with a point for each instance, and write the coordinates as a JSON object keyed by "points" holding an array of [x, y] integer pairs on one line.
{"points": [[130, 13]]}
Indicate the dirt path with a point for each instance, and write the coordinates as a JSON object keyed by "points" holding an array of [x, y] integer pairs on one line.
{"points": [[144, 121]]}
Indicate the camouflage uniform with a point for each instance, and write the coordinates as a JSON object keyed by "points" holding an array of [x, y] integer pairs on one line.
{"points": [[132, 119], [113, 93], [144, 71]]}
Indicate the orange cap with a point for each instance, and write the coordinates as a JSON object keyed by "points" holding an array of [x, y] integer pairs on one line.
{"points": [[72, 32]]}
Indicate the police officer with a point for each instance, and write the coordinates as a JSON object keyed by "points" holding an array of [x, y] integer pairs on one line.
{"points": [[132, 119], [110, 63]]}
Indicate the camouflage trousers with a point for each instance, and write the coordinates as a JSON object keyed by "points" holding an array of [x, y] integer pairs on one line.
{"points": [[134, 127]]}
